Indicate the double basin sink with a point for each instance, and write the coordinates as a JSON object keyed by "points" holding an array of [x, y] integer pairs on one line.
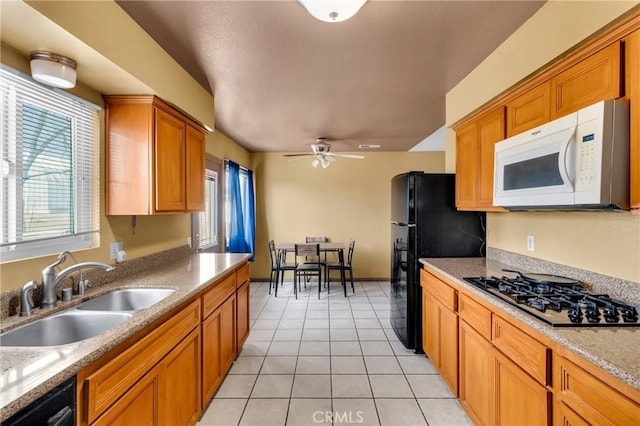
{"points": [[85, 320]]}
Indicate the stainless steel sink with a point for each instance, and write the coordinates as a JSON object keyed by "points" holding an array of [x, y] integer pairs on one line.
{"points": [[63, 328], [85, 320], [132, 299]]}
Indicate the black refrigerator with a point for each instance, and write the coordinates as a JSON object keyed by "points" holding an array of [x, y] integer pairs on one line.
{"points": [[425, 223]]}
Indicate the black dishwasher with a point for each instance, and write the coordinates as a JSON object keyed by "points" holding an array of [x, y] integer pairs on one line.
{"points": [[56, 408]]}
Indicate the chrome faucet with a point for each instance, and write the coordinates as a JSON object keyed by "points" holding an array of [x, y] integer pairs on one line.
{"points": [[26, 298], [50, 279]]}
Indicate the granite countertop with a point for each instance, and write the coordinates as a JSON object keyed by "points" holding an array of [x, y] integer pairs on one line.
{"points": [[28, 373], [615, 350]]}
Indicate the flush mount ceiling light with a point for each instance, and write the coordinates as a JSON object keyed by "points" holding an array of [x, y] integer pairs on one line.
{"points": [[332, 10], [53, 69]]}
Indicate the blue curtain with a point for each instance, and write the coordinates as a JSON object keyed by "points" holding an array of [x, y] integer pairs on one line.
{"points": [[241, 234]]}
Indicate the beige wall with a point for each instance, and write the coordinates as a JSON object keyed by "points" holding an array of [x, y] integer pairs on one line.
{"points": [[350, 199], [608, 243]]}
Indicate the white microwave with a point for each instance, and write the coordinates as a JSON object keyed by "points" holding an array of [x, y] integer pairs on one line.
{"points": [[577, 162]]}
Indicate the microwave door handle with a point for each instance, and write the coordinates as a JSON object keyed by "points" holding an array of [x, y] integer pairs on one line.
{"points": [[563, 157]]}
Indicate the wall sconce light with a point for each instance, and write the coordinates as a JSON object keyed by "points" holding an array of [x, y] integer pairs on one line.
{"points": [[332, 10], [53, 69]]}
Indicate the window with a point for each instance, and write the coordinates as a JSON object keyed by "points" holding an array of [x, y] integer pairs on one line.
{"points": [[205, 226], [209, 218], [50, 178], [239, 209]]}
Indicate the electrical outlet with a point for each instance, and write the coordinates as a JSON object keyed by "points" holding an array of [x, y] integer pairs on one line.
{"points": [[531, 243], [114, 248]]}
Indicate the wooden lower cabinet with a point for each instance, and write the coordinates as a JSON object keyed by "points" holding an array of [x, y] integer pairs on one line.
{"points": [[565, 416], [242, 311], [218, 347], [474, 373], [517, 398], [179, 383], [139, 406], [440, 341], [167, 395]]}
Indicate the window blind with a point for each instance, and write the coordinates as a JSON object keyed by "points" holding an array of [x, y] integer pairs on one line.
{"points": [[50, 169]]}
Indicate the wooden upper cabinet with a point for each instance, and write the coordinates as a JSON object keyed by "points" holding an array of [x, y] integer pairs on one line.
{"points": [[154, 157], [490, 131], [591, 80], [475, 144], [195, 153], [632, 84], [169, 147], [529, 110], [466, 166]]}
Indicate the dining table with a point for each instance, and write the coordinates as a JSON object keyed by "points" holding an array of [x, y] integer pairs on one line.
{"points": [[333, 246]]}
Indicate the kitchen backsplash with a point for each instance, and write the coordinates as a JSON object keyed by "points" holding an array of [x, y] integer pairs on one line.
{"points": [[616, 288]]}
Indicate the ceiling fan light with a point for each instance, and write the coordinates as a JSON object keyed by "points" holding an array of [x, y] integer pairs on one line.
{"points": [[325, 163], [332, 10], [315, 162], [53, 69]]}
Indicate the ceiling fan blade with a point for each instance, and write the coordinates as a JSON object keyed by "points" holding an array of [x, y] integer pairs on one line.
{"points": [[297, 155], [359, 157]]}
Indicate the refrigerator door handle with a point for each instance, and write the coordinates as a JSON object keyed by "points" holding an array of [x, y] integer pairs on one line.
{"points": [[408, 225]]}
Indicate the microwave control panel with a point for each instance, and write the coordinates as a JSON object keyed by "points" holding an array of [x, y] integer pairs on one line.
{"points": [[588, 159]]}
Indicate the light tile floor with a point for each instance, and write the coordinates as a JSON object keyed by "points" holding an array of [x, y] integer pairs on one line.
{"points": [[329, 361]]}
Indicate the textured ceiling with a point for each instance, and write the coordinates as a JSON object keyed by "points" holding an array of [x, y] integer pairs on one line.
{"points": [[281, 78]]}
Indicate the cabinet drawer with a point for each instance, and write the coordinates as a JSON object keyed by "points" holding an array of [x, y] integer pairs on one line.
{"points": [[531, 355], [476, 315], [107, 384], [590, 398], [441, 291], [214, 297], [242, 275]]}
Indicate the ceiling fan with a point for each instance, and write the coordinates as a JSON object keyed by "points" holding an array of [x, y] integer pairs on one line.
{"points": [[322, 155]]}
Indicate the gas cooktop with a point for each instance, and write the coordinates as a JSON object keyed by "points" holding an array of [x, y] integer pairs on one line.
{"points": [[558, 301]]}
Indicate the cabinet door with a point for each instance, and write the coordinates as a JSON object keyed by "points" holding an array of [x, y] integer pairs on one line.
{"points": [[529, 110], [139, 406], [467, 153], [475, 363], [448, 347], [195, 153], [429, 326], [517, 398], [243, 314], [490, 130], [632, 82], [218, 347], [228, 333], [591, 80], [169, 146], [179, 395], [565, 416]]}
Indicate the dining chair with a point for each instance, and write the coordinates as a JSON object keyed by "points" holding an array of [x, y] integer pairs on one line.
{"points": [[308, 268], [273, 254], [343, 267], [279, 262], [323, 261]]}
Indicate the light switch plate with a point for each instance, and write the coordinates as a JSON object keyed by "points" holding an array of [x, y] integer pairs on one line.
{"points": [[531, 243], [114, 248]]}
